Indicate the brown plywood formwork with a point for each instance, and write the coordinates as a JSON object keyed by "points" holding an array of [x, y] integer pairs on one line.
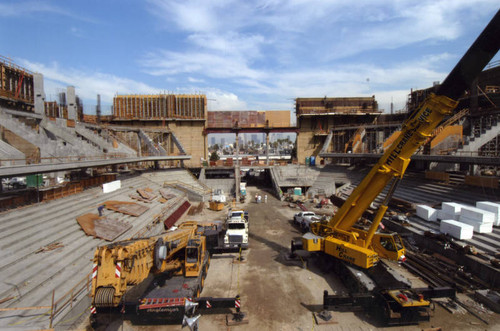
{"points": [[101, 227], [438, 175], [16, 83], [351, 105], [125, 207], [482, 181], [146, 194], [159, 106], [166, 194]]}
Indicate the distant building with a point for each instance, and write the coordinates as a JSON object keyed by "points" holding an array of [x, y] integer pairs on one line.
{"points": [[255, 138]]}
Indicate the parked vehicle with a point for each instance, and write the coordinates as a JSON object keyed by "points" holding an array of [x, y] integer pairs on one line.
{"points": [[236, 229], [305, 218]]}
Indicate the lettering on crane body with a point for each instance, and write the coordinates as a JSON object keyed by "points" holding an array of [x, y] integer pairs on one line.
{"points": [[162, 310], [407, 135], [342, 254]]}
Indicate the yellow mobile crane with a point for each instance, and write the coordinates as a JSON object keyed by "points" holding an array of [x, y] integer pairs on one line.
{"points": [[158, 278], [338, 237], [120, 265]]}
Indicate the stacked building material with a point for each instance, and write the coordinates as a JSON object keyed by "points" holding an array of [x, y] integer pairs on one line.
{"points": [[480, 219], [427, 213], [491, 207], [449, 210], [456, 229]]}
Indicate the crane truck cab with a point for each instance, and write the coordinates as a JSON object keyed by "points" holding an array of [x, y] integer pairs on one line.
{"points": [[237, 224]]}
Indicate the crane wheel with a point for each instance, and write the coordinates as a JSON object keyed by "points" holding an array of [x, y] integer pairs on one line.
{"points": [[104, 297]]}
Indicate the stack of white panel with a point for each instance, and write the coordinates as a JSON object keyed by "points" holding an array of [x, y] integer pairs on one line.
{"points": [[481, 220], [427, 213], [449, 211], [492, 207], [456, 229]]}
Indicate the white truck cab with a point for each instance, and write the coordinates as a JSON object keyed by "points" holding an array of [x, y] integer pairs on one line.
{"points": [[236, 229]]}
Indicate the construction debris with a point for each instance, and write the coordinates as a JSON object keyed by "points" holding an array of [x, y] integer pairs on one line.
{"points": [[102, 227], [125, 207], [147, 194], [166, 194], [49, 247], [490, 298]]}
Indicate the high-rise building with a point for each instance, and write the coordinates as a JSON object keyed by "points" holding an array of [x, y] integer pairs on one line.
{"points": [[254, 138]]}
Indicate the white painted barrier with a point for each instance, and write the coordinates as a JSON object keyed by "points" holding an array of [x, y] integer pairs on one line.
{"points": [[111, 186]]}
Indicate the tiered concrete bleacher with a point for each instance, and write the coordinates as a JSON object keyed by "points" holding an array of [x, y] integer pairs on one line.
{"points": [[30, 274], [10, 156], [49, 148]]}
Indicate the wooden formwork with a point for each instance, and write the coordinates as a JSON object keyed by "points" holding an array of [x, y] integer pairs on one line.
{"points": [[438, 175], [16, 83], [482, 181], [160, 106]]}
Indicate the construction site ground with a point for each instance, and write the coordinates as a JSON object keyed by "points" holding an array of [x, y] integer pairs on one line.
{"points": [[282, 294]]}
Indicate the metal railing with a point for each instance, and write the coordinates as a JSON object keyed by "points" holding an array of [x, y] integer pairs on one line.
{"points": [[67, 299]]}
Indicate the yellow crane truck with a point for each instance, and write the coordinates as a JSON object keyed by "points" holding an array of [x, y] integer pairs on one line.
{"points": [[155, 278], [340, 238]]}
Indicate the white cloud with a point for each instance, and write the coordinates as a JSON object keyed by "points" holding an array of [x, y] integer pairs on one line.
{"points": [[33, 8], [195, 80], [87, 84], [204, 64], [223, 100]]}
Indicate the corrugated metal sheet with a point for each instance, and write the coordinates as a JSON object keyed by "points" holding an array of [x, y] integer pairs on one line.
{"points": [[176, 215]]}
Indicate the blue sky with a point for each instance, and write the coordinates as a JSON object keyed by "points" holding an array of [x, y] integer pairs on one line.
{"points": [[244, 55]]}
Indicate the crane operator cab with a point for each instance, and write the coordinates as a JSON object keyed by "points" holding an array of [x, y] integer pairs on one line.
{"points": [[389, 246]]}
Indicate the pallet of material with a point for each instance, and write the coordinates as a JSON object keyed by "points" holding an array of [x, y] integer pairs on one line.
{"points": [[456, 229], [427, 213], [477, 214], [491, 207], [478, 226]]}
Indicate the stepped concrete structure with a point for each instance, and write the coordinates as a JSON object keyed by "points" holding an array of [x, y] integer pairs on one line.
{"points": [[45, 250]]}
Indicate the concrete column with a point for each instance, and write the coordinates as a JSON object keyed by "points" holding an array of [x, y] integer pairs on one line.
{"points": [[71, 100], [139, 151], [267, 148], [237, 149], [39, 94]]}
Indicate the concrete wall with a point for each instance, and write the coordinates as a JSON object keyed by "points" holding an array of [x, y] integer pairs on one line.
{"points": [[307, 143], [190, 134], [31, 152]]}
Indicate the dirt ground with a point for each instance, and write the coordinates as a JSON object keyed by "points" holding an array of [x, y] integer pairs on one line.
{"points": [[278, 294]]}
